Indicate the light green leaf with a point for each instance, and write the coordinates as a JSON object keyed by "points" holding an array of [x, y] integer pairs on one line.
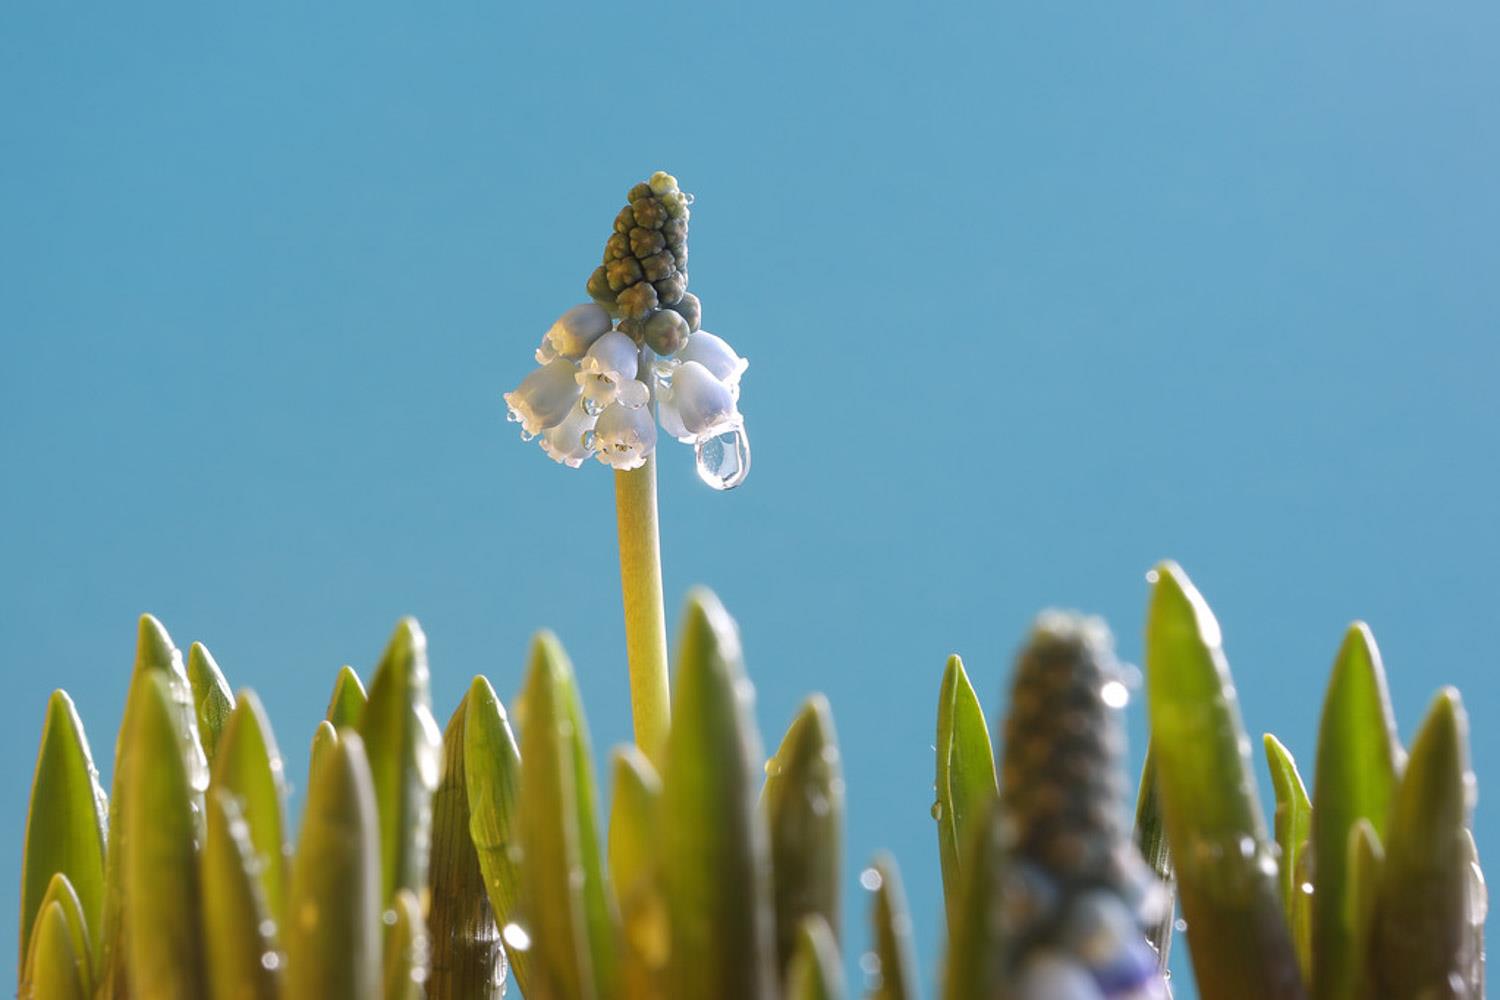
{"points": [[406, 950], [248, 767], [715, 844], [567, 910], [803, 800], [636, 876], [965, 775], [163, 828], [325, 738], [242, 959], [815, 972], [1363, 873], [212, 699], [333, 946], [154, 655], [65, 823], [1151, 838], [60, 893], [973, 965], [404, 748], [468, 962], [1358, 762], [1424, 933], [492, 775], [897, 977], [1293, 827], [58, 971], [1240, 944], [346, 707]]}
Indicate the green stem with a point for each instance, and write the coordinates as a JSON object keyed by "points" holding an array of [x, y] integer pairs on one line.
{"points": [[645, 612]]}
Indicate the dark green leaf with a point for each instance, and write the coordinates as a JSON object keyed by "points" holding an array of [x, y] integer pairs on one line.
{"points": [[897, 975], [1226, 871], [242, 958], [815, 972], [965, 774], [803, 801], [212, 699]]}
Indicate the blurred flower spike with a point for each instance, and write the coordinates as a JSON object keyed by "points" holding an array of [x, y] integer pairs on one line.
{"points": [[610, 369]]}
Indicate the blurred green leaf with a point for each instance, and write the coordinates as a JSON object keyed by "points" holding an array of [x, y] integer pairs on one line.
{"points": [[965, 775], [1358, 762], [163, 827], [154, 655], [803, 800], [248, 767], [567, 912], [242, 959], [1293, 827], [1363, 870], [1424, 934], [1151, 838], [973, 966], [897, 975], [468, 962], [815, 972], [1478, 902], [346, 707], [715, 843], [65, 823], [406, 950], [1238, 938], [333, 946], [58, 971], [212, 699], [60, 893], [636, 876], [492, 774], [402, 741], [325, 738]]}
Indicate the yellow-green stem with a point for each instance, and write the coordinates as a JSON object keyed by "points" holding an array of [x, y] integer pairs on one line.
{"points": [[645, 613]]}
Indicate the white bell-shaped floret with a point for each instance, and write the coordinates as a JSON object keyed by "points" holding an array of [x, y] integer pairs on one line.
{"points": [[607, 373], [544, 397], [571, 441], [714, 353], [624, 436], [1051, 976], [574, 333], [701, 405]]}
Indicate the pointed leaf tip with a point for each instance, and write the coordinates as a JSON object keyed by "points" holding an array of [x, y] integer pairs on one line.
{"points": [[346, 706]]}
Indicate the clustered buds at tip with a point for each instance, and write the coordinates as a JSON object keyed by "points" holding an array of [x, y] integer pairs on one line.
{"points": [[640, 342]]}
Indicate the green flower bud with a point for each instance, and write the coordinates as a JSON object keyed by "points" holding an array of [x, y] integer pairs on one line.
{"points": [[625, 221], [598, 287], [642, 190], [661, 182], [650, 212], [637, 300], [658, 266], [669, 289], [675, 231], [615, 247], [690, 309], [666, 332], [645, 242], [623, 273]]}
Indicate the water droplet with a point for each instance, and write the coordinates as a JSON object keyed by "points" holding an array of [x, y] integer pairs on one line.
{"points": [[589, 440], [1306, 888], [1247, 846], [515, 935], [270, 961], [724, 460], [870, 878], [1179, 925], [511, 416], [1114, 694], [527, 436], [1478, 896], [773, 767], [869, 963], [937, 809], [388, 918], [592, 407]]}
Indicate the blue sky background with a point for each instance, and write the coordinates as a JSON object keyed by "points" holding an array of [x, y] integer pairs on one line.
{"points": [[1033, 298]]}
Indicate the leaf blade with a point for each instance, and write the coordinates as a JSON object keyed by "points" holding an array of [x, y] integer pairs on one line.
{"points": [[248, 767], [1293, 828], [966, 776], [893, 934], [212, 699]]}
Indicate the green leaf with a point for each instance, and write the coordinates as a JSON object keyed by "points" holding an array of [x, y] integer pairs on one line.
{"points": [[65, 823], [636, 875], [492, 775], [973, 966], [715, 843], [406, 950], [568, 912], [1424, 931], [248, 767], [468, 962], [1293, 827], [815, 972], [346, 707], [333, 931], [1226, 872], [154, 655], [402, 741], [325, 738], [1151, 838], [59, 972], [803, 800], [163, 827], [212, 699], [965, 775], [1357, 766], [1478, 902], [893, 932], [235, 913], [1363, 870], [60, 893]]}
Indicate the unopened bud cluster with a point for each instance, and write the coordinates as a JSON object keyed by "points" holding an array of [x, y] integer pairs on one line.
{"points": [[611, 368]]}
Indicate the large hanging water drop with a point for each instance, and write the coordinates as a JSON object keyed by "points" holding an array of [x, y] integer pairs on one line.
{"points": [[724, 459]]}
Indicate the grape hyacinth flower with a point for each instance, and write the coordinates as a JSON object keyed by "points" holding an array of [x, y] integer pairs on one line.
{"points": [[637, 354]]}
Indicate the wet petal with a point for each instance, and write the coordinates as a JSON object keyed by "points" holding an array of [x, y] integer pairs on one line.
{"points": [[544, 397], [703, 403], [714, 353], [574, 332], [570, 442], [612, 354], [625, 436]]}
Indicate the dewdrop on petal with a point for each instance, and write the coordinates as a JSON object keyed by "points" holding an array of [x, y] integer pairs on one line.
{"points": [[571, 442], [544, 397], [624, 436], [704, 406], [607, 374], [574, 332]]}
